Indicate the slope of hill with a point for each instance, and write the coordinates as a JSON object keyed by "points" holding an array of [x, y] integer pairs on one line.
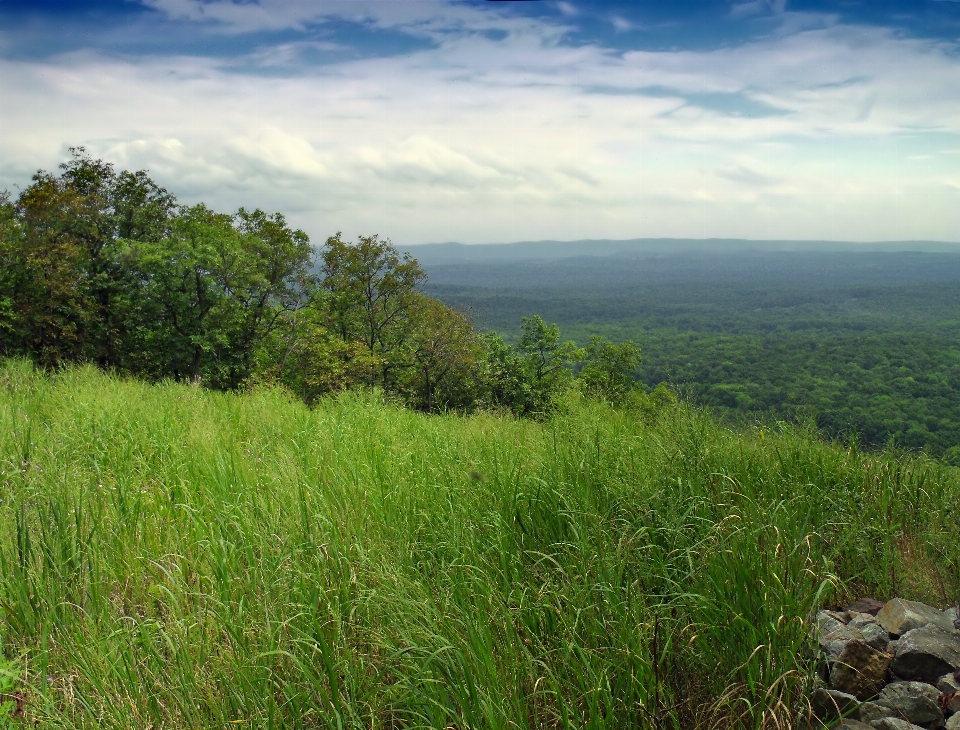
{"points": [[174, 557]]}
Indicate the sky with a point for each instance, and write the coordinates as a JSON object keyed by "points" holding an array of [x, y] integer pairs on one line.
{"points": [[483, 121]]}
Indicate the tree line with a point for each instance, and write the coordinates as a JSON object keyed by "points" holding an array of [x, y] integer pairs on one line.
{"points": [[106, 267]]}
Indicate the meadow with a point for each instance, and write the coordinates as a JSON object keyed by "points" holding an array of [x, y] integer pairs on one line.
{"points": [[180, 558]]}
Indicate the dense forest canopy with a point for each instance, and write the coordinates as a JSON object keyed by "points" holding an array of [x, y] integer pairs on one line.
{"points": [[866, 343], [107, 267]]}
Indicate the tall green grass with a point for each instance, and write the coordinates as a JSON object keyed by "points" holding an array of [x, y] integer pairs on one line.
{"points": [[172, 557]]}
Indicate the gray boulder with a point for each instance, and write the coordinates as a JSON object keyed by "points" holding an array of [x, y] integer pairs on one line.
{"points": [[860, 670], [859, 620], [953, 613], [948, 683], [866, 605], [829, 704], [875, 636], [899, 616], [893, 723], [849, 724], [954, 722], [913, 701], [832, 634], [829, 628], [927, 654], [870, 711]]}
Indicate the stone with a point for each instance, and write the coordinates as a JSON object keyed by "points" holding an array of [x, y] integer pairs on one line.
{"points": [[866, 605], [875, 636], [899, 616], [833, 650], [892, 647], [860, 620], [832, 634], [870, 711], [830, 628], [860, 670], [948, 683], [950, 702], [954, 722], [953, 613], [913, 701], [829, 704], [849, 724], [927, 654], [893, 723]]}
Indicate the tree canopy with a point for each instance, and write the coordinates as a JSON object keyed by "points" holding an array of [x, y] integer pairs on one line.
{"points": [[107, 267]]}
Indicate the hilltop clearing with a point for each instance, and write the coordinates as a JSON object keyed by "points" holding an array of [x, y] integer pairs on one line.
{"points": [[180, 558]]}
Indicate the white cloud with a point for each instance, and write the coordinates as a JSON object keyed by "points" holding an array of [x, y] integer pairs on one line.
{"points": [[520, 138], [756, 7]]}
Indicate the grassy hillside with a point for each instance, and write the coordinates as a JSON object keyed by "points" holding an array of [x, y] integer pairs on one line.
{"points": [[172, 557]]}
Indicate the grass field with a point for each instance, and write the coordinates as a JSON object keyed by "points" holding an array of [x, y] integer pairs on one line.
{"points": [[177, 558]]}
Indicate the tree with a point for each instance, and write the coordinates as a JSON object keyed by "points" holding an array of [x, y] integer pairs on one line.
{"points": [[444, 353], [608, 370], [72, 293], [371, 288], [302, 354], [503, 376], [10, 272], [546, 361], [216, 286]]}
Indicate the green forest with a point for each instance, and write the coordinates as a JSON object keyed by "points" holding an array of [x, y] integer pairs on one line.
{"points": [[865, 345], [105, 267]]}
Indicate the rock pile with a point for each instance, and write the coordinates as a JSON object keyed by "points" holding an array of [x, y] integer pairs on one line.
{"points": [[893, 666]]}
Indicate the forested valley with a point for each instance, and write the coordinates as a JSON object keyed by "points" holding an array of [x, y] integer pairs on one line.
{"points": [[863, 343], [106, 267]]}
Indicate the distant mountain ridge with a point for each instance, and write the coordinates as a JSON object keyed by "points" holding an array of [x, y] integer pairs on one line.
{"points": [[460, 253]]}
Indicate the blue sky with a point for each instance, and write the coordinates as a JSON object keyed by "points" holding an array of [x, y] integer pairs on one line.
{"points": [[431, 120]]}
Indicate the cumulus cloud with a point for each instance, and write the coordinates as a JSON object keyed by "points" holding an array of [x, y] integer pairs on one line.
{"points": [[518, 136]]}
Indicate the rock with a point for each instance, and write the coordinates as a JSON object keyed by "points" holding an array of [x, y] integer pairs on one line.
{"points": [[832, 634], [849, 724], [899, 616], [830, 628], [870, 711], [875, 636], [948, 683], [950, 702], [927, 653], [859, 620], [954, 722], [893, 723], [866, 605], [829, 704], [953, 614], [833, 650], [860, 670], [913, 701], [892, 646]]}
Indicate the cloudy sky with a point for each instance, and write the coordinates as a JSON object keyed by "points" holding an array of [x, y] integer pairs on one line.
{"points": [[474, 121]]}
